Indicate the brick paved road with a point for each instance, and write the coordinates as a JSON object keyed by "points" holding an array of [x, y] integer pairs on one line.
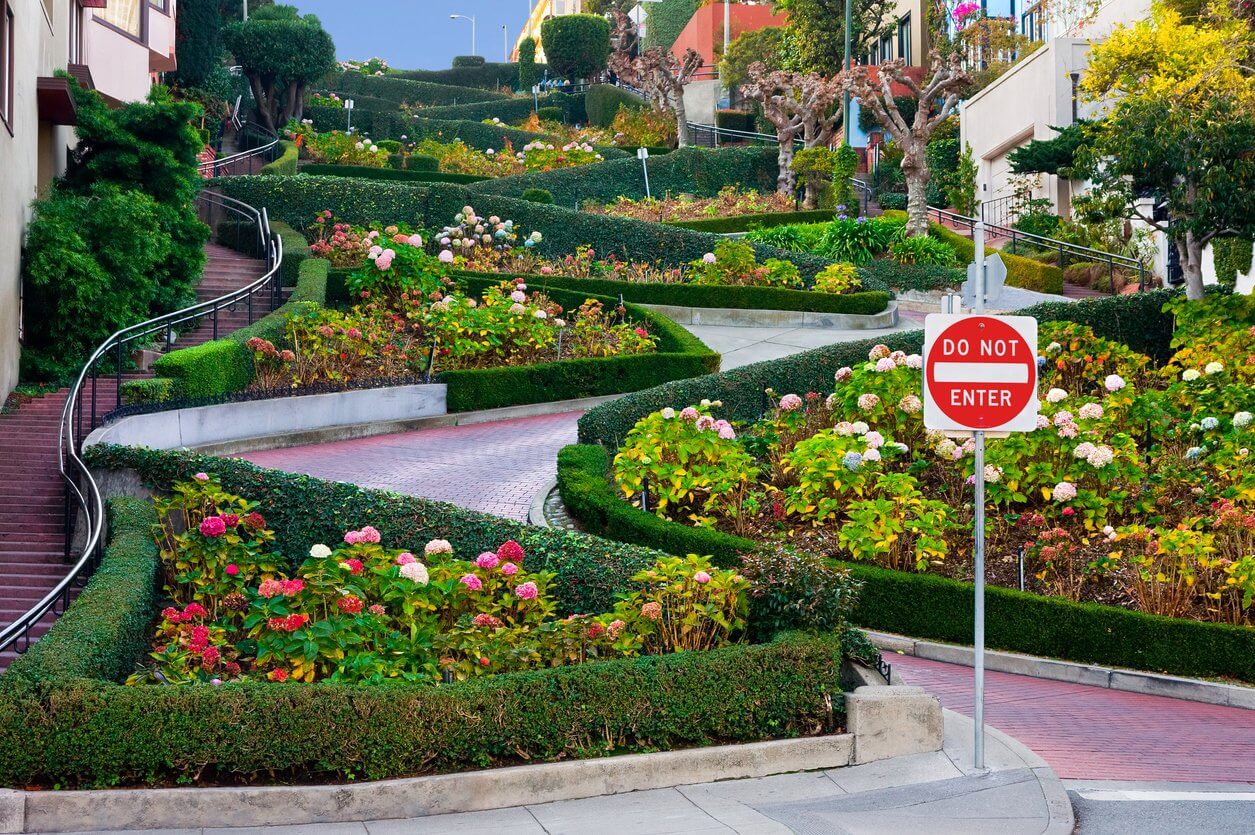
{"points": [[1091, 733], [494, 467]]}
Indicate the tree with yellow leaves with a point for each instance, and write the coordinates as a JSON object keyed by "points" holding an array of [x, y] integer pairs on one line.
{"points": [[1177, 126]]}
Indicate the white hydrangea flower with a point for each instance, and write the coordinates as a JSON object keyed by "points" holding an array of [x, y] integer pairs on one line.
{"points": [[320, 551]]}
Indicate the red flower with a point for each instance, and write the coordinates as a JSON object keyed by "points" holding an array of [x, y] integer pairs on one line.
{"points": [[171, 614], [209, 658], [1067, 511], [641, 332], [230, 519], [510, 551], [354, 566], [194, 610], [595, 631], [232, 668], [232, 569], [376, 609], [483, 662], [291, 623], [350, 605], [278, 674]]}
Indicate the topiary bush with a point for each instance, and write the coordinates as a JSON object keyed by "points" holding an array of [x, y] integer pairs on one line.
{"points": [[602, 102], [403, 90], [537, 195], [576, 45], [550, 114], [285, 163]]}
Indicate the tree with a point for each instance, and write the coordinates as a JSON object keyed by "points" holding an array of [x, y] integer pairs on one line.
{"points": [[1056, 155], [529, 74], [576, 45], [280, 53], [656, 72], [815, 36], [760, 46], [798, 105], [946, 80], [198, 40], [1178, 128]]}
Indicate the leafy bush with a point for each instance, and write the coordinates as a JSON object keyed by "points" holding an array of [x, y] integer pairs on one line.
{"points": [[798, 591], [537, 195], [1233, 256], [667, 20], [550, 114], [751, 222], [408, 175], [576, 46], [528, 73], [923, 250], [602, 102], [152, 390], [733, 264], [837, 278], [285, 163], [402, 90], [644, 127], [922, 277], [468, 61], [891, 201], [490, 76], [735, 120]]}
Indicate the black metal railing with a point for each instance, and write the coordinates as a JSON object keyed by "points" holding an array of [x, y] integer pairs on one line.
{"points": [[1001, 211], [84, 505], [255, 146], [1064, 250], [712, 136]]}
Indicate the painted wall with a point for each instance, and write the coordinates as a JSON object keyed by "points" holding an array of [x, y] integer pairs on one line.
{"points": [[704, 31], [31, 152], [120, 65]]}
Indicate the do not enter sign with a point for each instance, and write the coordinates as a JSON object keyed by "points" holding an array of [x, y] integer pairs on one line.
{"points": [[980, 373]]}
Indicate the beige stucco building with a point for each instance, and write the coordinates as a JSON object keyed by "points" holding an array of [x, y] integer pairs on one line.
{"points": [[118, 49]]}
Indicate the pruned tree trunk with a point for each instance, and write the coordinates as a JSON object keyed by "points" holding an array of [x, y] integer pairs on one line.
{"points": [[265, 104], [786, 180], [1190, 248], [684, 135], [915, 172]]}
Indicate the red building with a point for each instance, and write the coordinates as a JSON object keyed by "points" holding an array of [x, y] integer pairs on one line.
{"points": [[704, 32]]}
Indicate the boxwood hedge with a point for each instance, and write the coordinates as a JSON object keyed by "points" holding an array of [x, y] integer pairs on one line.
{"points": [[763, 220], [510, 110], [693, 295], [403, 90], [408, 175], [488, 76], [602, 103], [937, 608], [70, 725], [285, 163]]}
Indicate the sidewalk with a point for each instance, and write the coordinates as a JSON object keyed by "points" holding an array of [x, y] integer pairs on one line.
{"points": [[923, 793]]}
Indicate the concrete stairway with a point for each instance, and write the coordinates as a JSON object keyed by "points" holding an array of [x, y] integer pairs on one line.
{"points": [[32, 493]]}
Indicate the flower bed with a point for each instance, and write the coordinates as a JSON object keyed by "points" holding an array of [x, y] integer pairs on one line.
{"points": [[731, 201], [71, 725]]}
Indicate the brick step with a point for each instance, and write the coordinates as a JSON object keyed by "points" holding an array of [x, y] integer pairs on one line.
{"points": [[48, 569], [32, 548]]}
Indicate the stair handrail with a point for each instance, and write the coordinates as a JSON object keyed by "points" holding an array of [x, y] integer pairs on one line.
{"points": [[82, 492], [212, 167]]}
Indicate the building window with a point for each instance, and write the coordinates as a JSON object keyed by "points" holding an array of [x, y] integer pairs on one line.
{"points": [[886, 48], [162, 6], [127, 15], [1033, 23], [904, 38], [6, 66]]}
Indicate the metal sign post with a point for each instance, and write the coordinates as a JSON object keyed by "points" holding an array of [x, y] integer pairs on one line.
{"points": [[643, 155], [535, 98], [980, 376], [348, 110]]}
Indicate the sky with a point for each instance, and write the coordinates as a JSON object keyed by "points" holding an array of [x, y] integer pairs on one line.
{"points": [[417, 34]]}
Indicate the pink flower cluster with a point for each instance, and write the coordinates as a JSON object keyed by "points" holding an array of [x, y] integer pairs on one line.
{"points": [[290, 623], [510, 551], [367, 535], [280, 588], [213, 527], [190, 612], [526, 591]]}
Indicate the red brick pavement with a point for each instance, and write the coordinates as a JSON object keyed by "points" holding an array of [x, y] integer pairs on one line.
{"points": [[1092, 733], [494, 467]]}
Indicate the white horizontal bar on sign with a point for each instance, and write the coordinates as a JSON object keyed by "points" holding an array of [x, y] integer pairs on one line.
{"points": [[980, 372]]}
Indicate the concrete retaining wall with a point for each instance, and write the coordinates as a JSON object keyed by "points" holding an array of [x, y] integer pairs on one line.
{"points": [[226, 422], [742, 318]]}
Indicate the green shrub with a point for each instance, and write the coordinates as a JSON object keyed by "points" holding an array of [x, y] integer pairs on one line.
{"points": [[407, 175], [922, 277], [285, 163], [550, 114], [402, 90], [421, 162], [468, 61], [576, 45], [667, 20], [923, 250], [932, 607], [892, 201], [602, 102], [1021, 272], [1233, 256], [528, 73], [766, 220], [695, 295], [152, 390], [490, 76], [537, 195], [295, 252]]}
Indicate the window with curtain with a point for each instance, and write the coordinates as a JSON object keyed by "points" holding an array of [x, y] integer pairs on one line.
{"points": [[127, 15]]}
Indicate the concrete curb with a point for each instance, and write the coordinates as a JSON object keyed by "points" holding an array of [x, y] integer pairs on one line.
{"points": [[388, 427], [536, 513], [1132, 681], [1062, 818], [735, 317]]}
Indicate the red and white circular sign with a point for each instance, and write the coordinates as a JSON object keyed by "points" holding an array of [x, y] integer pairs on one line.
{"points": [[980, 372]]}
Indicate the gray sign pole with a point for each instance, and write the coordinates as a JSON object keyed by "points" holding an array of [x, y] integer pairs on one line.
{"points": [[978, 716]]}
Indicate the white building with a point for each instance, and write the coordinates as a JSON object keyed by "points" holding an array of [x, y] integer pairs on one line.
{"points": [[117, 49]]}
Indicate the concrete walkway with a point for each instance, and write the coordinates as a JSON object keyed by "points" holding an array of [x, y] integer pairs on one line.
{"points": [[742, 346], [923, 793]]}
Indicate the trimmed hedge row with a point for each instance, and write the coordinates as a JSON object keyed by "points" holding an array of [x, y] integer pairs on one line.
{"points": [[602, 103], [510, 110], [1021, 272], [923, 277], [403, 90], [699, 171], [69, 726], [366, 172], [937, 608], [296, 199], [285, 163], [764, 220], [488, 76], [295, 252], [1136, 320], [224, 366], [693, 295]]}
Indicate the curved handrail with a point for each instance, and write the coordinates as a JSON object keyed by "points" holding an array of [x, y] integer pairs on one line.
{"points": [[215, 167], [82, 493]]}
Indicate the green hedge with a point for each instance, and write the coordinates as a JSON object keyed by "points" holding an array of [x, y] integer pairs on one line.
{"points": [[1232, 256], [510, 110], [923, 277], [150, 390], [602, 102], [741, 120], [488, 76], [285, 163], [69, 726], [1021, 272], [667, 19], [295, 199], [937, 608], [1136, 320], [403, 90], [295, 251], [693, 295], [224, 366], [699, 171], [366, 172], [764, 220]]}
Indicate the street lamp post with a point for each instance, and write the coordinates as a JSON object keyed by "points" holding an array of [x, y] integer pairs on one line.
{"points": [[845, 113], [472, 20], [505, 44]]}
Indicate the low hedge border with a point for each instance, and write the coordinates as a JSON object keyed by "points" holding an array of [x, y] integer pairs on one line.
{"points": [[764, 220], [938, 608], [365, 172], [1136, 320], [213, 369], [407, 91], [285, 163], [693, 295], [70, 726], [1021, 272]]}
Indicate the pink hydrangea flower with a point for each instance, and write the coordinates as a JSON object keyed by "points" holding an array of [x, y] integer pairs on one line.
{"points": [[689, 413], [526, 591], [201, 476], [213, 527], [370, 535], [871, 455], [1090, 411], [874, 440], [868, 401], [705, 422], [885, 364], [438, 546], [510, 551], [446, 256], [910, 404], [1064, 491], [471, 582], [844, 373], [709, 258], [232, 569], [790, 402], [406, 558], [509, 569], [701, 577], [487, 560], [726, 432]]}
